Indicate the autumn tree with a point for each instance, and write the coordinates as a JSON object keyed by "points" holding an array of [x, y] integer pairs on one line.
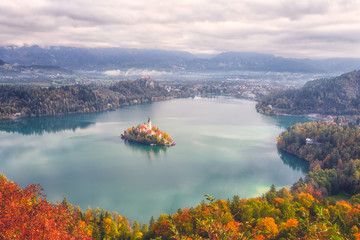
{"points": [[26, 214]]}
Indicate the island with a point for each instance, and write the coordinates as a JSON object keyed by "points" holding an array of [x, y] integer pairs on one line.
{"points": [[147, 134]]}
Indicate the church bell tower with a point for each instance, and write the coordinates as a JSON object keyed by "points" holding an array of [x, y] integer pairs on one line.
{"points": [[149, 123]]}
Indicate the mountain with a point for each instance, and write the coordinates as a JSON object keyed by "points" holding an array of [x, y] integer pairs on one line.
{"points": [[230, 61], [14, 74], [336, 64], [339, 95], [95, 58], [41, 69], [102, 59], [32, 69], [2, 62]]}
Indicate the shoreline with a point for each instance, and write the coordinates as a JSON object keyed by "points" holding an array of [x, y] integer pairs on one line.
{"points": [[130, 103], [17, 116], [145, 144], [317, 116]]}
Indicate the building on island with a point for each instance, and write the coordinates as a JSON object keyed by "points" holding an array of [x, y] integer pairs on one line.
{"points": [[149, 124], [147, 134], [146, 127]]}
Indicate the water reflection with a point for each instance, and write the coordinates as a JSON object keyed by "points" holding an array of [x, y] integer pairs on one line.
{"points": [[287, 121], [152, 152], [294, 162], [41, 125]]}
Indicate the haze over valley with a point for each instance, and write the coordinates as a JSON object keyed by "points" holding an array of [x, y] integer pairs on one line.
{"points": [[26, 63]]}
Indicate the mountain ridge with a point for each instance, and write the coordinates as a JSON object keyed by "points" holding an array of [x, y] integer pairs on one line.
{"points": [[103, 59]]}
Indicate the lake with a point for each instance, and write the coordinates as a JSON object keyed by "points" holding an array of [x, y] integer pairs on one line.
{"points": [[223, 148]]}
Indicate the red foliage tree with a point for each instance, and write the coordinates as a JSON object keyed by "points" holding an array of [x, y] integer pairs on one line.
{"points": [[26, 214]]}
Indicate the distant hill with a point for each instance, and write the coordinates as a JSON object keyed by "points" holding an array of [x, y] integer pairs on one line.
{"points": [[41, 74], [338, 96], [230, 61], [2, 62], [102, 59], [41, 68], [28, 101], [139, 90]]}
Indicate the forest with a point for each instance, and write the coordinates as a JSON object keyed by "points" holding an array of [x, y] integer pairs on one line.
{"points": [[278, 214], [28, 101], [338, 96], [333, 152]]}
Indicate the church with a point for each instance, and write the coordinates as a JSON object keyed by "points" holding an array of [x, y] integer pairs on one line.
{"points": [[147, 127]]}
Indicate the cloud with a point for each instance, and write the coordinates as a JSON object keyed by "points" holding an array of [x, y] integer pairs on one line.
{"points": [[134, 72], [322, 28]]}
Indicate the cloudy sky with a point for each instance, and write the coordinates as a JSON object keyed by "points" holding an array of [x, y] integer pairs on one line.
{"points": [[303, 28]]}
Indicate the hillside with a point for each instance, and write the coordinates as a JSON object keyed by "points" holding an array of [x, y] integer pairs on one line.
{"points": [[332, 151], [26, 101], [336, 96], [139, 91]]}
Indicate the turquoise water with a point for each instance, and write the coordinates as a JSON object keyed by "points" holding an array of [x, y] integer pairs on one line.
{"points": [[223, 148]]}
